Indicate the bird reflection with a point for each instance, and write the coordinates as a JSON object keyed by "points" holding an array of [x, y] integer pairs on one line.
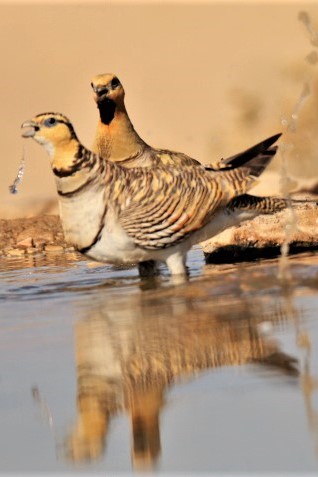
{"points": [[129, 350], [304, 343]]}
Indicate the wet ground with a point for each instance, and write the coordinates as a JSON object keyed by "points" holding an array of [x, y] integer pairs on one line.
{"points": [[102, 372]]}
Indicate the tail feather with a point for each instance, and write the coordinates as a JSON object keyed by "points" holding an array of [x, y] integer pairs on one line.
{"points": [[263, 149], [263, 205], [268, 205], [241, 179], [256, 165]]}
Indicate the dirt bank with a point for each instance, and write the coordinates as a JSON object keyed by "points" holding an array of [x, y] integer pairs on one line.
{"points": [[31, 235]]}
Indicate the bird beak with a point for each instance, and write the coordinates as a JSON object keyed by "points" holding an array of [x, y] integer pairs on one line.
{"points": [[31, 132], [100, 90]]}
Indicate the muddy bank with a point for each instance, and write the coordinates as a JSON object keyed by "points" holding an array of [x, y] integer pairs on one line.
{"points": [[31, 235]]}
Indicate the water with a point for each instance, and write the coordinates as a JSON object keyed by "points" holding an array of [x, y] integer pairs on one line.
{"points": [[102, 372]]}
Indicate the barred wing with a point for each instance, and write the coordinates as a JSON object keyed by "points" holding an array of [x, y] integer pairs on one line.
{"points": [[169, 205]]}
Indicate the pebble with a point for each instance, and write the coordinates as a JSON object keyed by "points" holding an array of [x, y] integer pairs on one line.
{"points": [[15, 252], [71, 256], [27, 242], [39, 243], [53, 248], [31, 250]]}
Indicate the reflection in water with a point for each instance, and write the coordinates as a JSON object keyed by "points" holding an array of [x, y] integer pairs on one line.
{"points": [[309, 382], [130, 350], [41, 259], [43, 406]]}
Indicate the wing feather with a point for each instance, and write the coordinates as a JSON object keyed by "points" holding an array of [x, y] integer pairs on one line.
{"points": [[160, 206], [184, 202]]}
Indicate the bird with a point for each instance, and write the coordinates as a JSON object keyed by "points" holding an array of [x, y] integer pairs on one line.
{"points": [[125, 216], [117, 140]]}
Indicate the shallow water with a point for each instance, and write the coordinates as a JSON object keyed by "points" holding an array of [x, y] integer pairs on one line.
{"points": [[102, 372]]}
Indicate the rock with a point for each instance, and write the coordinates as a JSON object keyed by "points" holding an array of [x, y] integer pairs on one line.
{"points": [[43, 230], [53, 248], [264, 236], [39, 243], [26, 243], [39, 235], [15, 252], [31, 250]]}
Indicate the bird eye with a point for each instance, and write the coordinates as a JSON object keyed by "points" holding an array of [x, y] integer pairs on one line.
{"points": [[115, 82], [49, 122]]}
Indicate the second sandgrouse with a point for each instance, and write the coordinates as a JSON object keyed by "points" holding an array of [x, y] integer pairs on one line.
{"points": [[116, 140]]}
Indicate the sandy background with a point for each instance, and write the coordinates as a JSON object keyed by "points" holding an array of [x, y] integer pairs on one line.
{"points": [[207, 79]]}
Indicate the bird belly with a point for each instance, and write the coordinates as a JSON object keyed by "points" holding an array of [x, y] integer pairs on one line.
{"points": [[220, 221], [81, 217], [115, 245]]}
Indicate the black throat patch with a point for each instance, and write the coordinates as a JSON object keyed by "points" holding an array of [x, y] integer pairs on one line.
{"points": [[107, 109]]}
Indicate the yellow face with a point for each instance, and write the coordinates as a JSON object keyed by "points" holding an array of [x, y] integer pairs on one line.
{"points": [[107, 86], [50, 130]]}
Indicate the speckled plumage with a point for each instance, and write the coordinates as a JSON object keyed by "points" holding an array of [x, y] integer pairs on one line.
{"points": [[121, 215]]}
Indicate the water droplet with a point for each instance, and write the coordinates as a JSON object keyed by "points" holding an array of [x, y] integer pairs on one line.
{"points": [[13, 188]]}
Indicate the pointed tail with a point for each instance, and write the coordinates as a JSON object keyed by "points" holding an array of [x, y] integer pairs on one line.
{"points": [[262, 150], [262, 205], [267, 205]]}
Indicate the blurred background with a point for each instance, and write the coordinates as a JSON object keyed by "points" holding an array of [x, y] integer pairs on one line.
{"points": [[208, 79]]}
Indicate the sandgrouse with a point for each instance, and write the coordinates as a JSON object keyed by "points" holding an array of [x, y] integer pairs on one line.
{"points": [[116, 140], [119, 215]]}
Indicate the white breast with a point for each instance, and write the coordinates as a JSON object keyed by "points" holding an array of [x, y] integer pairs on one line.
{"points": [[82, 216]]}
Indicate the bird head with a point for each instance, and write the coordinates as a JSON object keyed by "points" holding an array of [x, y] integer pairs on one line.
{"points": [[50, 130], [107, 87]]}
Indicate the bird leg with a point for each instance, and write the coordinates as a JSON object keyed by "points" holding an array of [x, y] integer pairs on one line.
{"points": [[177, 265], [148, 269]]}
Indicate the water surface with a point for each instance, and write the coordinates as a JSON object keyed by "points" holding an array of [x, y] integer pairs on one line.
{"points": [[102, 372]]}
